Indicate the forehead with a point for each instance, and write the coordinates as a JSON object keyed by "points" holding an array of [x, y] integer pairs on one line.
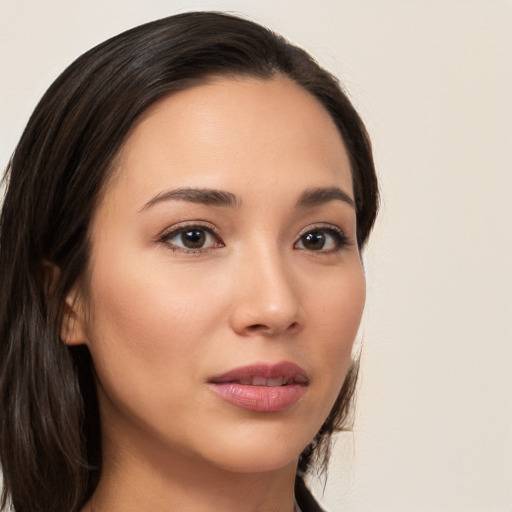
{"points": [[235, 134]]}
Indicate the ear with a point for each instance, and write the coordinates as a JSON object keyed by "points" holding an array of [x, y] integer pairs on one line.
{"points": [[72, 329], [50, 277]]}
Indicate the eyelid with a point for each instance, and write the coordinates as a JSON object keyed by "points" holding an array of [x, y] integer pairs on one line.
{"points": [[180, 227], [342, 239]]}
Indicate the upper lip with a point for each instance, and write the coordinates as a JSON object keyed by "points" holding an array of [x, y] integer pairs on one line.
{"points": [[290, 373]]}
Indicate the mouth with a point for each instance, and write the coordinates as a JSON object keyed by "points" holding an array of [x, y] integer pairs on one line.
{"points": [[257, 380], [262, 387]]}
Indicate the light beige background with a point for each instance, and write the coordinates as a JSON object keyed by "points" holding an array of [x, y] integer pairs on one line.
{"points": [[433, 81]]}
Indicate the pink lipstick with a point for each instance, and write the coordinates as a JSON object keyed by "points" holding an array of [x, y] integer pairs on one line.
{"points": [[262, 387]]}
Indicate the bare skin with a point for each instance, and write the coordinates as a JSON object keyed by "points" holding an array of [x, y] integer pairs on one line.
{"points": [[226, 238]]}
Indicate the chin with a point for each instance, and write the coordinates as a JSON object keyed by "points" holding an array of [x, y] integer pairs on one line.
{"points": [[258, 449], [247, 461]]}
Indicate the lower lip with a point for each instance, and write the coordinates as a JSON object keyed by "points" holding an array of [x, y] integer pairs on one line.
{"points": [[259, 398]]}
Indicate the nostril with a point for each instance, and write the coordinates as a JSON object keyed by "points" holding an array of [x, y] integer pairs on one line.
{"points": [[293, 326], [266, 328], [257, 327]]}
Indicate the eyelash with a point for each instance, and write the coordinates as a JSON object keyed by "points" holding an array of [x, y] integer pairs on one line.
{"points": [[339, 237], [183, 228]]}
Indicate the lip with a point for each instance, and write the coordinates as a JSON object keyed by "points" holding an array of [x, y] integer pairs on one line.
{"points": [[288, 382]]}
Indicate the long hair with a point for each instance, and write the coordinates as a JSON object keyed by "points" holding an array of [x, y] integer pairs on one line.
{"points": [[50, 432]]}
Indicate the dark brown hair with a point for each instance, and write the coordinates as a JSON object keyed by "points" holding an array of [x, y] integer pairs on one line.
{"points": [[50, 443]]}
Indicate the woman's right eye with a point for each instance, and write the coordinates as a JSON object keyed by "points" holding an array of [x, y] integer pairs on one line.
{"points": [[191, 239]]}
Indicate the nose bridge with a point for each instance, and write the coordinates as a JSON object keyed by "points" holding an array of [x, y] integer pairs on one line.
{"points": [[268, 302]]}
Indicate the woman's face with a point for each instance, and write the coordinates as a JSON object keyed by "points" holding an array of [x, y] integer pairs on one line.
{"points": [[225, 286]]}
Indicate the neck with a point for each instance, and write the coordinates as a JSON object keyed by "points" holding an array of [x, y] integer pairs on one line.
{"points": [[144, 479]]}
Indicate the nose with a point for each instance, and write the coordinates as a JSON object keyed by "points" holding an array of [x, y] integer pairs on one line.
{"points": [[267, 302]]}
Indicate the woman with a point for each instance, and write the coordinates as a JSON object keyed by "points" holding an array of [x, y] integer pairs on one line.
{"points": [[181, 274]]}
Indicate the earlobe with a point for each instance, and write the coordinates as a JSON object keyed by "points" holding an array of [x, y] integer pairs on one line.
{"points": [[72, 329]]}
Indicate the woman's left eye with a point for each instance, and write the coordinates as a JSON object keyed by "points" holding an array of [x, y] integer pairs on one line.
{"points": [[322, 239], [191, 239]]}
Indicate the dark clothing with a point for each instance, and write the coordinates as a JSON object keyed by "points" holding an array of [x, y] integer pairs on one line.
{"points": [[304, 498]]}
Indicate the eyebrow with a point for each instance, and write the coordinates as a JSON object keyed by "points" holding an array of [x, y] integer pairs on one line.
{"points": [[319, 196], [205, 196], [211, 197]]}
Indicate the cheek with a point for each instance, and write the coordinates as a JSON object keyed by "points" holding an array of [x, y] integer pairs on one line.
{"points": [[335, 315], [337, 304], [148, 323]]}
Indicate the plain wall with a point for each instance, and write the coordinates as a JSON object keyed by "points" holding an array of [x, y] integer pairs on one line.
{"points": [[433, 81]]}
